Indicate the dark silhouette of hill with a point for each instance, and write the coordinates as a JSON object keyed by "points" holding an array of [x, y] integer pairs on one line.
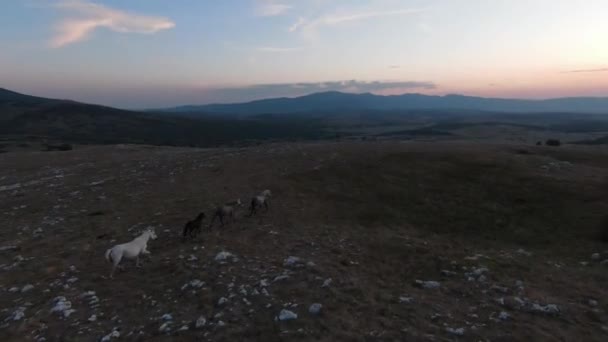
{"points": [[332, 100], [24, 115]]}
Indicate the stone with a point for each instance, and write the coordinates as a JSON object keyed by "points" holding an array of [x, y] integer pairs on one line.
{"points": [[286, 315], [315, 308]]}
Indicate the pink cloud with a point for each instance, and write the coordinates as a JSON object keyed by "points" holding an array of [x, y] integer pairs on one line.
{"points": [[87, 17]]}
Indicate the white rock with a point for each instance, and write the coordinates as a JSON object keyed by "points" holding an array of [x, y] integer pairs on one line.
{"points": [[429, 284], [551, 309], [93, 318], [595, 256], [524, 252], [457, 332], [183, 328], [165, 327], [281, 277], [200, 322], [62, 306], [222, 301], [222, 256], [503, 316], [108, 337], [310, 264], [263, 283], [13, 289], [167, 317], [286, 315], [72, 280], [291, 261], [197, 283], [592, 302], [27, 288], [18, 314], [406, 299], [8, 248], [327, 282], [315, 308], [221, 323]]}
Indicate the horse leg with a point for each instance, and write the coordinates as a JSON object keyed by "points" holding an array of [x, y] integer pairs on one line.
{"points": [[137, 263], [222, 220], [115, 262], [266, 205]]}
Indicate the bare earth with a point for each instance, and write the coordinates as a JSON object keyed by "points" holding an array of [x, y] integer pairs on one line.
{"points": [[508, 232]]}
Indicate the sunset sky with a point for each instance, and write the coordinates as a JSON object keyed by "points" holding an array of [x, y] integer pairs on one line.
{"points": [[156, 53]]}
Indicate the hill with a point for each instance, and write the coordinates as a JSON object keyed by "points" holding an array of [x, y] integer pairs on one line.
{"points": [[41, 118], [331, 101]]}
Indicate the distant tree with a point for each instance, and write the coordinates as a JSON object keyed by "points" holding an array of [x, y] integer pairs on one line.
{"points": [[553, 142], [539, 143]]}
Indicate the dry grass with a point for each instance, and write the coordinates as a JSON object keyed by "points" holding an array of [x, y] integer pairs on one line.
{"points": [[372, 216]]}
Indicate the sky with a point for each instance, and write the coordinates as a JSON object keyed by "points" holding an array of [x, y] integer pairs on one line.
{"points": [[159, 53]]}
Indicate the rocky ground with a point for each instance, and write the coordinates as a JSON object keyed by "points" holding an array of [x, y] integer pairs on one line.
{"points": [[363, 241]]}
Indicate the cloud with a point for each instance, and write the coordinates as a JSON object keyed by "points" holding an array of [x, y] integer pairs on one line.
{"points": [[86, 17], [587, 70], [270, 8], [311, 26], [261, 91]]}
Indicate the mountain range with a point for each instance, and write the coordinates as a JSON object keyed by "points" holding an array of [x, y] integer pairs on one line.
{"points": [[334, 101]]}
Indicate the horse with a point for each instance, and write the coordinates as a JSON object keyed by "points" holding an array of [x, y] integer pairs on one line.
{"points": [[130, 250], [226, 210], [193, 227], [258, 201]]}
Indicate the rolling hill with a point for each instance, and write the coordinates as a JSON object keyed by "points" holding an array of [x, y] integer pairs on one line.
{"points": [[331, 101]]}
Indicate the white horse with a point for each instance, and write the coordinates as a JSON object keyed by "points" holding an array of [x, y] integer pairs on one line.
{"points": [[259, 200], [130, 250]]}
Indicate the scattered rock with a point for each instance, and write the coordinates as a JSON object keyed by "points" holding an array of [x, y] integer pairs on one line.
{"points": [[524, 252], [286, 315], [457, 331], [503, 316], [223, 256], [281, 277], [17, 315], [406, 299], [200, 322], [447, 273], [291, 261], [62, 306], [595, 256], [222, 301], [429, 284], [165, 327], [167, 317], [93, 318], [27, 288], [592, 302], [550, 309], [315, 309], [108, 337], [327, 282], [8, 248]]}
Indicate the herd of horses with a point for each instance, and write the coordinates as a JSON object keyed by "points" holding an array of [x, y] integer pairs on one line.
{"points": [[139, 245]]}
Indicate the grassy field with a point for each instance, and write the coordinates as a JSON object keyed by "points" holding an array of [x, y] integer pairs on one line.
{"points": [[507, 230]]}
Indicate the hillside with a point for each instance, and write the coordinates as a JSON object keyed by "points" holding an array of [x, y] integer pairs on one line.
{"points": [[331, 101], [397, 242], [69, 121]]}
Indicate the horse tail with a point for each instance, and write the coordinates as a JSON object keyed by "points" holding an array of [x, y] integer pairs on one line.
{"points": [[109, 255]]}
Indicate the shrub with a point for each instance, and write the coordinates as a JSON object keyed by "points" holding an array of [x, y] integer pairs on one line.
{"points": [[553, 142]]}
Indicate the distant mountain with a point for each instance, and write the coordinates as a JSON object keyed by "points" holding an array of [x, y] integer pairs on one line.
{"points": [[50, 119], [332, 101]]}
